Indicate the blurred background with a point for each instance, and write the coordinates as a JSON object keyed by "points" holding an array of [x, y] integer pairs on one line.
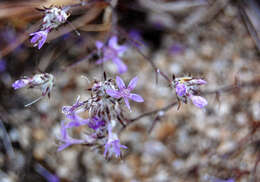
{"points": [[217, 40]]}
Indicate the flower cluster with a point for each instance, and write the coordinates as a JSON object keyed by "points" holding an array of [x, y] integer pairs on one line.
{"points": [[53, 18], [188, 88], [44, 80], [113, 52], [105, 113]]}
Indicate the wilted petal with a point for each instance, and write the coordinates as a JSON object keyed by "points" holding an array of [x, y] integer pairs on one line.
{"points": [[120, 65], [99, 44], [113, 93], [180, 89], [136, 98], [120, 83], [132, 83], [199, 101]]}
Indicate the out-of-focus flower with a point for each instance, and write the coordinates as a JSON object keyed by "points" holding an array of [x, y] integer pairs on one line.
{"points": [[2, 65], [125, 92], [180, 89], [137, 38], [54, 17], [176, 48], [188, 88], [21, 83], [46, 174], [198, 101], [39, 38], [44, 80], [113, 52], [113, 145]]}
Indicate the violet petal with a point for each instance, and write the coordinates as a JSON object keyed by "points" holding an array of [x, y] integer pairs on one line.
{"points": [[120, 83], [136, 98], [113, 93], [132, 83]]}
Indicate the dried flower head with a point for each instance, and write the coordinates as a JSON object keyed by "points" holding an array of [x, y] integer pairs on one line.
{"points": [[113, 52], [54, 17], [188, 88]]}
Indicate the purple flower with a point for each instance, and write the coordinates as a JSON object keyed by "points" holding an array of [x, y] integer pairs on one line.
{"points": [[180, 89], [113, 144], [96, 122], [70, 112], [39, 38], [20, 83], [113, 52], [125, 92], [198, 101], [66, 139], [113, 147], [71, 109]]}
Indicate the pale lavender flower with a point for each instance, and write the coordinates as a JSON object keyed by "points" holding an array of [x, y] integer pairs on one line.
{"points": [[188, 88], [66, 139], [76, 121], [125, 92], [113, 144], [198, 101], [21, 83], [39, 38], [180, 89], [71, 114], [113, 52]]}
